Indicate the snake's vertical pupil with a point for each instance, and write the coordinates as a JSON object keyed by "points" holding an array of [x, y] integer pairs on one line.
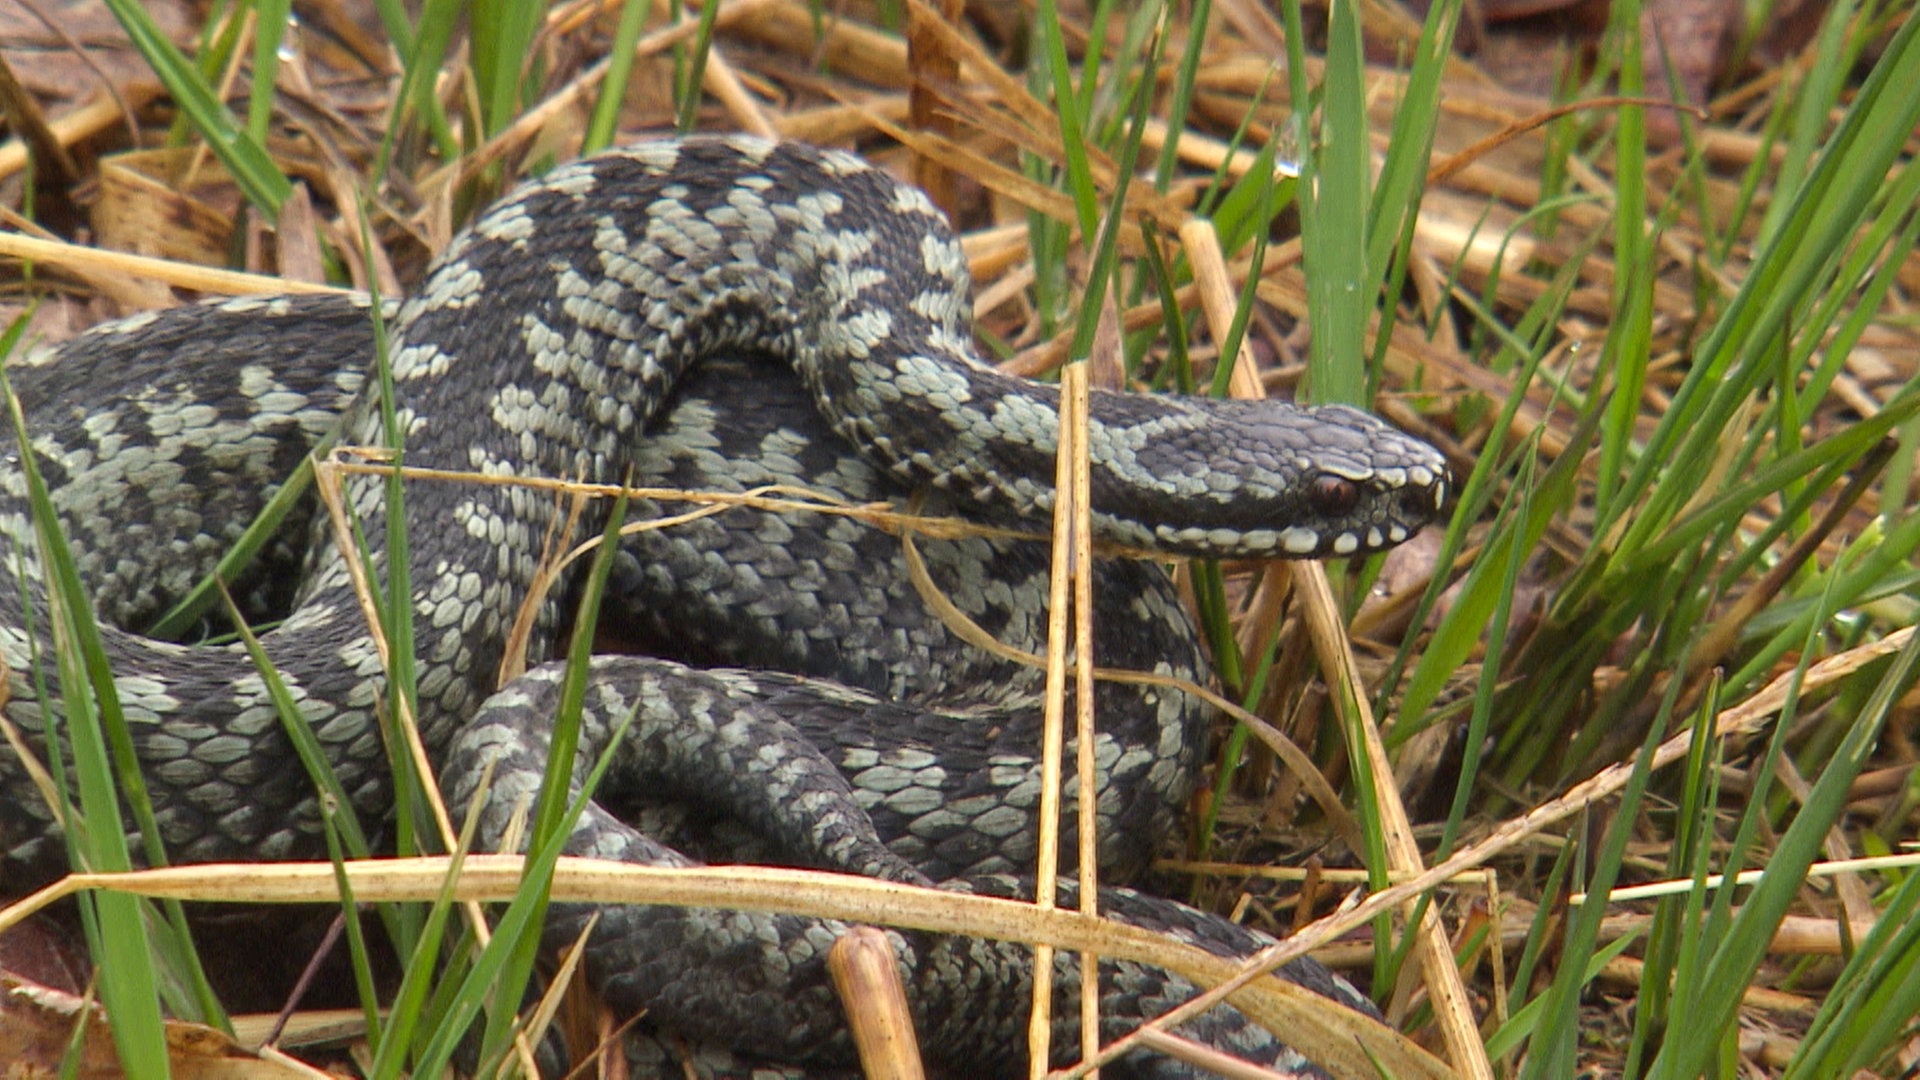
{"points": [[1335, 496]]}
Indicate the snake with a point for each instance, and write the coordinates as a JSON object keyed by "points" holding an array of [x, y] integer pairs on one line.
{"points": [[722, 313]]}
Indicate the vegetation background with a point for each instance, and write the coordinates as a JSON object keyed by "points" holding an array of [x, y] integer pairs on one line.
{"points": [[1645, 272]]}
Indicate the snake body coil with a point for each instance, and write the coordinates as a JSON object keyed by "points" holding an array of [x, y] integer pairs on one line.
{"points": [[646, 313]]}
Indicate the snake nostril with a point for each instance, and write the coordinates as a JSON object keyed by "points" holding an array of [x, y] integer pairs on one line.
{"points": [[1335, 496]]}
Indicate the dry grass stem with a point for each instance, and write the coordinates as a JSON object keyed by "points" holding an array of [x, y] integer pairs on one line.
{"points": [[87, 261], [868, 982], [1450, 999], [1351, 1042], [1070, 447]]}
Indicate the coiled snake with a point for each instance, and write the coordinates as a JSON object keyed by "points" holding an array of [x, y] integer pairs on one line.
{"points": [[645, 313]]}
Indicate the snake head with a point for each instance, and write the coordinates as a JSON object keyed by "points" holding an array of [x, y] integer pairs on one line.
{"points": [[1371, 486], [1260, 479]]}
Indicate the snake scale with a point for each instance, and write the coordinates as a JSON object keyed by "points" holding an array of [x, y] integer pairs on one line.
{"points": [[719, 313]]}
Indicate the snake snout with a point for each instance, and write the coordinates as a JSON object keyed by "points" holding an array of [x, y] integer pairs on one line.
{"points": [[1420, 506]]}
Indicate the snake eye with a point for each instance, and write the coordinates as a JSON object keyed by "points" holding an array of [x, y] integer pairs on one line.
{"points": [[1335, 496]]}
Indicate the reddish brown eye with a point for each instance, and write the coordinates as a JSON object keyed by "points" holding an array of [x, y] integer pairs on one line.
{"points": [[1334, 496]]}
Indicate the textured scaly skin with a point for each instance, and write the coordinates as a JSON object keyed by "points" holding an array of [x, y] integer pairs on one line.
{"points": [[545, 342]]}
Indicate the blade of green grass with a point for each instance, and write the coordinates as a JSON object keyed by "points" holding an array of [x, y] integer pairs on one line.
{"points": [[1623, 358], [1836, 454], [1715, 998], [1093, 52], [1180, 98], [1698, 939], [419, 84], [1516, 535], [1269, 194], [1530, 1019], [1822, 83], [1868, 1014], [1335, 243], [1079, 175], [407, 1014], [1458, 633], [613, 88], [519, 923], [270, 28], [554, 813], [264, 185], [501, 55], [1552, 1047], [1541, 936], [1878, 556], [1106, 258], [1735, 360], [396, 608], [696, 69], [115, 927], [1676, 937], [306, 745], [1395, 210]]}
